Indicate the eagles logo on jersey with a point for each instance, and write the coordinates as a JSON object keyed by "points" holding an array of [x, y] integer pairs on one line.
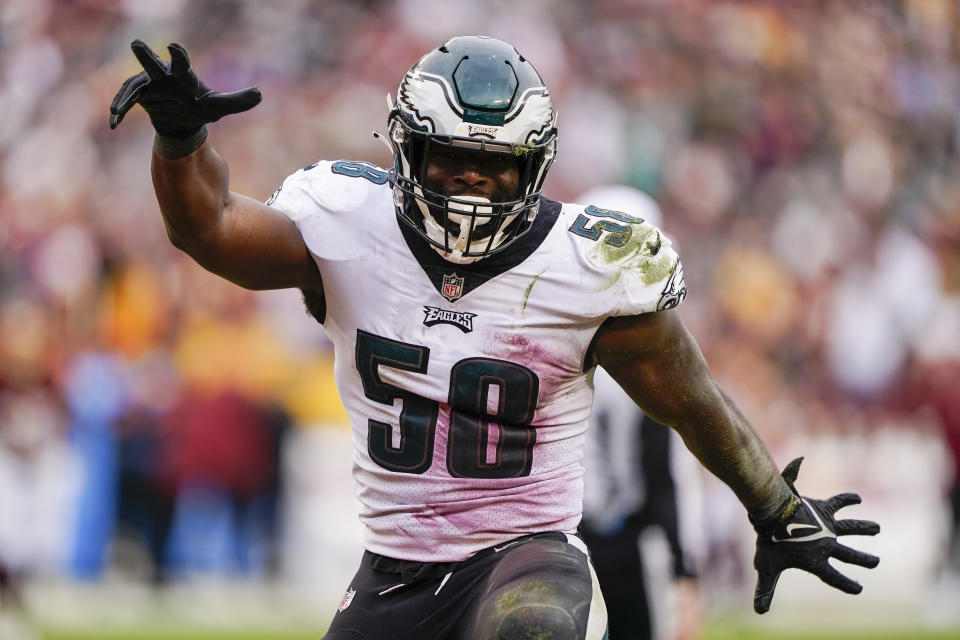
{"points": [[675, 290]]}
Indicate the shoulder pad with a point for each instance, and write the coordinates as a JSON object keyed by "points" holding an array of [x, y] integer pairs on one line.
{"points": [[328, 186], [330, 201], [635, 258]]}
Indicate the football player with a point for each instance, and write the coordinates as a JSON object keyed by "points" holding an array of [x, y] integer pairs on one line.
{"points": [[468, 313]]}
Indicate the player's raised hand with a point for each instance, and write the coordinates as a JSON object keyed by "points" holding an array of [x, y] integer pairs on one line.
{"points": [[177, 101], [804, 536]]}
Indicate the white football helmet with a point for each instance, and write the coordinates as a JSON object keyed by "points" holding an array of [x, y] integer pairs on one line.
{"points": [[477, 93]]}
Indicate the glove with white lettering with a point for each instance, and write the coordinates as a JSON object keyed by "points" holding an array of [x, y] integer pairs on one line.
{"points": [[804, 536], [178, 102]]}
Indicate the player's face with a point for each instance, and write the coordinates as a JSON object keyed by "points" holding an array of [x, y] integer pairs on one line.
{"points": [[455, 171]]}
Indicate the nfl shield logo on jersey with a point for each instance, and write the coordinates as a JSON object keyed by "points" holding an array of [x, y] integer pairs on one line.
{"points": [[346, 599], [452, 286]]}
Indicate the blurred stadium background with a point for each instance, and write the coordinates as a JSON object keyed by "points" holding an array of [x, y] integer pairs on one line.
{"points": [[174, 461]]}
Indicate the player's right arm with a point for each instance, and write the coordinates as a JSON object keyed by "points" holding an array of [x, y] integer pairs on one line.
{"points": [[232, 235], [236, 237]]}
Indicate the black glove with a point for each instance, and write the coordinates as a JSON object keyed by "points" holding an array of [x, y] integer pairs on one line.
{"points": [[178, 103], [804, 535]]}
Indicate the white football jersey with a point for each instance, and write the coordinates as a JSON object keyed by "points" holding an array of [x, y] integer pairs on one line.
{"points": [[466, 384]]}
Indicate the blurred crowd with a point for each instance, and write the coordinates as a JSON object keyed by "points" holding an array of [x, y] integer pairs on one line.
{"points": [[806, 157]]}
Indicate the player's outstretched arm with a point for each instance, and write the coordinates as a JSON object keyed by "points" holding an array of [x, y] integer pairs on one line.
{"points": [[659, 364], [229, 234]]}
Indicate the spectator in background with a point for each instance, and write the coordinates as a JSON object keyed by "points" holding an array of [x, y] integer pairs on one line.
{"points": [[637, 474], [939, 384], [219, 454], [39, 474]]}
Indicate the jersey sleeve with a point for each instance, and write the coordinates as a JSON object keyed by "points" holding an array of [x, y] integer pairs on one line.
{"points": [[651, 279], [627, 265], [326, 200], [633, 265], [293, 197]]}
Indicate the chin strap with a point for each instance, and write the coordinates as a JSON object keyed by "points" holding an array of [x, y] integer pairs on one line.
{"points": [[461, 243], [477, 204], [382, 138]]}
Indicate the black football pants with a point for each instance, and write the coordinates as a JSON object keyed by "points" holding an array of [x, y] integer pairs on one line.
{"points": [[538, 582]]}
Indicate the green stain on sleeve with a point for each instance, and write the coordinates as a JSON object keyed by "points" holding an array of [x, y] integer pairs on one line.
{"points": [[639, 251], [658, 269]]}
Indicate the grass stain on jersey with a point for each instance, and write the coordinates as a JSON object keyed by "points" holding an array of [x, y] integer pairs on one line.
{"points": [[526, 293], [640, 250]]}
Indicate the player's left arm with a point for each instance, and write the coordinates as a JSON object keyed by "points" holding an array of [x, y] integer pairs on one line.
{"points": [[659, 364]]}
